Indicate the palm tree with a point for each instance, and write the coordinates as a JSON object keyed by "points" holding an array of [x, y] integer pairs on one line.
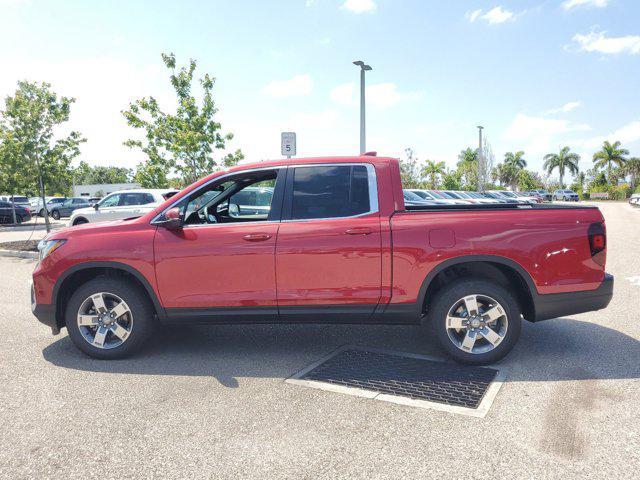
{"points": [[515, 159], [610, 154], [632, 168], [563, 160], [432, 170]]}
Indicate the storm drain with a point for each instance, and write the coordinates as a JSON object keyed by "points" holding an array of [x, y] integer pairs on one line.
{"points": [[404, 378]]}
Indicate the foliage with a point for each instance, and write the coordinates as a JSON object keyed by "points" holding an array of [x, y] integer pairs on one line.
{"points": [[452, 180], [410, 171], [432, 170], [610, 154], [515, 159], [527, 181], [183, 141], [468, 168], [84, 174], [27, 136], [621, 192], [563, 160], [632, 168]]}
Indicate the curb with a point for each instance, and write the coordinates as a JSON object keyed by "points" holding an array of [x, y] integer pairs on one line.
{"points": [[23, 227], [18, 254]]}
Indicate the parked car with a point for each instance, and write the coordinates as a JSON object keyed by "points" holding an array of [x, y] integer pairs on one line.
{"points": [[93, 200], [635, 200], [473, 197], [411, 199], [66, 208], [122, 204], [546, 196], [501, 198], [6, 213], [532, 199], [430, 197], [51, 203], [566, 195], [339, 243], [17, 199]]}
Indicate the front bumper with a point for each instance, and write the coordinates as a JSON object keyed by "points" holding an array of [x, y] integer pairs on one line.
{"points": [[560, 304], [44, 313]]}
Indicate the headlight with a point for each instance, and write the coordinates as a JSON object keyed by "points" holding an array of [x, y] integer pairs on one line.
{"points": [[46, 247]]}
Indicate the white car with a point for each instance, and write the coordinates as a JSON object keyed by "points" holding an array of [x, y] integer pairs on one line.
{"points": [[635, 200], [122, 204]]}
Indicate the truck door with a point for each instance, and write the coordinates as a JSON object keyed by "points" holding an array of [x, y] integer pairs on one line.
{"points": [[328, 251]]}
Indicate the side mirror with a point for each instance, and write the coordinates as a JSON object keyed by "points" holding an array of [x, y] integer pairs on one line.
{"points": [[95, 206], [172, 219], [234, 210]]}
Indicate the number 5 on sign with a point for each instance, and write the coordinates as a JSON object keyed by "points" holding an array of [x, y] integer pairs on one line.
{"points": [[288, 144]]}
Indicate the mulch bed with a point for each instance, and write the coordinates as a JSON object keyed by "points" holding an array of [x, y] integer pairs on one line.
{"points": [[20, 246]]}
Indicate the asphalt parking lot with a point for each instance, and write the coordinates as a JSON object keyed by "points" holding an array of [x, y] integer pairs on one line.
{"points": [[211, 402]]}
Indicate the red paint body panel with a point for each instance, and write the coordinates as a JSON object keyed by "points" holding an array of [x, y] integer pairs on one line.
{"points": [[318, 263], [314, 262]]}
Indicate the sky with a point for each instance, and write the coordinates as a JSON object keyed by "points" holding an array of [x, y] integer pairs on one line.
{"points": [[536, 74]]}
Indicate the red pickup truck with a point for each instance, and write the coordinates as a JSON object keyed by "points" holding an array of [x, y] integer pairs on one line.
{"points": [[322, 240]]}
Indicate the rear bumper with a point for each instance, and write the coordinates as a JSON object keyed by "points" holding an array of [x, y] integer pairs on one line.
{"points": [[560, 304], [44, 313]]}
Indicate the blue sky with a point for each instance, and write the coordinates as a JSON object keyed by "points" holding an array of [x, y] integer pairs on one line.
{"points": [[537, 74]]}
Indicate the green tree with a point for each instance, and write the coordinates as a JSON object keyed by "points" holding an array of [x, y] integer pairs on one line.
{"points": [[410, 171], [84, 174], [515, 159], [506, 174], [452, 180], [563, 160], [527, 180], [183, 141], [468, 168], [432, 170], [632, 168], [29, 119], [609, 155]]}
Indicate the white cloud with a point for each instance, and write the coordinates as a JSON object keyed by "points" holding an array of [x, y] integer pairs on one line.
{"points": [[102, 86], [599, 42], [297, 86], [539, 135], [14, 3], [325, 41], [569, 4], [626, 134], [494, 16], [473, 16], [567, 107], [379, 96], [360, 6]]}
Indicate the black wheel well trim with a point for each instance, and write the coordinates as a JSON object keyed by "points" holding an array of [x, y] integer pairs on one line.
{"points": [[80, 218], [507, 262], [115, 266]]}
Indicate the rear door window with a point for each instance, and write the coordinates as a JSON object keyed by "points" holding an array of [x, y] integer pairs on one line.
{"points": [[330, 191]]}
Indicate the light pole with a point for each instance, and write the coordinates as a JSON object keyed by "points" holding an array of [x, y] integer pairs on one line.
{"points": [[480, 160], [363, 68]]}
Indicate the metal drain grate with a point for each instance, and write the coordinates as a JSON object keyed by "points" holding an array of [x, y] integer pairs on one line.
{"points": [[403, 375]]}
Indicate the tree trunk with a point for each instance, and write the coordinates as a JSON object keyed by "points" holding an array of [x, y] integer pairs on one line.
{"points": [[13, 209]]}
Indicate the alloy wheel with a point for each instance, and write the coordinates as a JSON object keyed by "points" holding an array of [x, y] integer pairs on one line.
{"points": [[105, 320], [477, 324]]}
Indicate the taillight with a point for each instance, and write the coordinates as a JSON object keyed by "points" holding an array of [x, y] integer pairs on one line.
{"points": [[597, 241]]}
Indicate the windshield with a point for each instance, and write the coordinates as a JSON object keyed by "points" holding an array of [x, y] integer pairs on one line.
{"points": [[463, 195], [508, 194], [422, 194], [412, 197]]}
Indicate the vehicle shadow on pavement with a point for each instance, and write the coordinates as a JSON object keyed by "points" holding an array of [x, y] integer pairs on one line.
{"points": [[554, 350]]}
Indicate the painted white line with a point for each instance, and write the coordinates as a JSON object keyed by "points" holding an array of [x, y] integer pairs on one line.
{"points": [[480, 412]]}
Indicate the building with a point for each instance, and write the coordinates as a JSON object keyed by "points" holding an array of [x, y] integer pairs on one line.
{"points": [[102, 189]]}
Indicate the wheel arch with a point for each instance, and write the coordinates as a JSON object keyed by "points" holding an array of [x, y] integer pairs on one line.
{"points": [[79, 218], [86, 271], [501, 269]]}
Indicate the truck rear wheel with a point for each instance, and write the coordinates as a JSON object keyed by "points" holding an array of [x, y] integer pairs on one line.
{"points": [[109, 318], [476, 321]]}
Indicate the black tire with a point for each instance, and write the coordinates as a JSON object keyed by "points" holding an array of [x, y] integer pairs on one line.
{"points": [[18, 219], [80, 221], [142, 327], [56, 215], [41, 212], [451, 294]]}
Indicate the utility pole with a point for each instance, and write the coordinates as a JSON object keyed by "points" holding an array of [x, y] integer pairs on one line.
{"points": [[363, 68], [44, 201], [481, 165]]}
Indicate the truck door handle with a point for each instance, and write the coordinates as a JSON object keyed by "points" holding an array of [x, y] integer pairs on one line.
{"points": [[256, 237], [359, 231]]}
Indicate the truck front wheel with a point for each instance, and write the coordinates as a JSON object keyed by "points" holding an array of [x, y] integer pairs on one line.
{"points": [[476, 321], [109, 318]]}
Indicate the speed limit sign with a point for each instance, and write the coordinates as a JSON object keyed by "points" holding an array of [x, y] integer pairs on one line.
{"points": [[288, 144]]}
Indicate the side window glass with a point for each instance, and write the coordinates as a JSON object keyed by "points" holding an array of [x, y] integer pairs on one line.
{"points": [[330, 192], [146, 198], [111, 201]]}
